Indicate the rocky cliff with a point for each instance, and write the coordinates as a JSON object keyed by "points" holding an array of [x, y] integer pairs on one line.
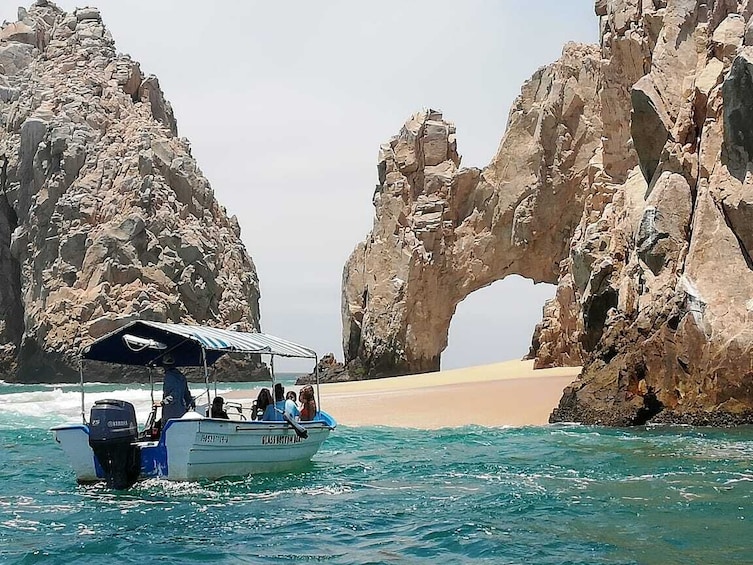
{"points": [[104, 213], [624, 177]]}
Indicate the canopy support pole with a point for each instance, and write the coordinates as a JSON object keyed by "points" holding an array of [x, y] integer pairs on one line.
{"points": [[81, 378], [206, 376], [151, 383], [316, 373]]}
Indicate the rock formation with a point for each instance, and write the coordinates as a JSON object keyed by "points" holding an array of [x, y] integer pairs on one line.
{"points": [[330, 371], [104, 214], [624, 176], [442, 232]]}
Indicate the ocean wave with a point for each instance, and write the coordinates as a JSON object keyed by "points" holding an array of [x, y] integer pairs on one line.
{"points": [[418, 495], [30, 406], [740, 478], [57, 406]]}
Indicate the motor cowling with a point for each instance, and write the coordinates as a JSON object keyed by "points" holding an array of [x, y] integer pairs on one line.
{"points": [[112, 431]]}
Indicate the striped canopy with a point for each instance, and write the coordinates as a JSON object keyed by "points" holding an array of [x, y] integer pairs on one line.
{"points": [[147, 343]]}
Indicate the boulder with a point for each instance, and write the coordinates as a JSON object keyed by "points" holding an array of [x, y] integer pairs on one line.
{"points": [[20, 32], [150, 92], [330, 371], [649, 125]]}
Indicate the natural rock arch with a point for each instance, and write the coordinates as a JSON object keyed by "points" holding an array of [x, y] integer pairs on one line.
{"points": [[625, 174], [441, 231]]}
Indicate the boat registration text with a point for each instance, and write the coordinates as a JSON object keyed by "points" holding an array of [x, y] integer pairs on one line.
{"points": [[279, 440], [212, 438]]}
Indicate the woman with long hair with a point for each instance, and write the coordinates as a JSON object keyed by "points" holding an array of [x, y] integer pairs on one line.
{"points": [[263, 400], [308, 404]]}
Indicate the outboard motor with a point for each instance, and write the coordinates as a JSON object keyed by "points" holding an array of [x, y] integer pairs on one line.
{"points": [[112, 430]]}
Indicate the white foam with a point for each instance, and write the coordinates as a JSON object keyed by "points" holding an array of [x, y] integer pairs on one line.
{"points": [[61, 404], [64, 406]]}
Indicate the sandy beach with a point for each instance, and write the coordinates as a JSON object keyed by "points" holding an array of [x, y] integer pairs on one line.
{"points": [[511, 393]]}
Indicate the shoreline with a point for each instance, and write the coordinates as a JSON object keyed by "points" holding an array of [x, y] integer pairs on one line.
{"points": [[509, 393]]}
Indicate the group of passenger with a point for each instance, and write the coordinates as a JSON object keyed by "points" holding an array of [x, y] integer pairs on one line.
{"points": [[177, 400], [264, 408]]}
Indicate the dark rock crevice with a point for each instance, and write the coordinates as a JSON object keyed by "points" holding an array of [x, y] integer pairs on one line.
{"points": [[744, 252], [651, 407], [737, 93], [11, 306], [595, 316]]}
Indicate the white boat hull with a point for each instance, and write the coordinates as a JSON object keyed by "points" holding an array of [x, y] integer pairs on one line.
{"points": [[192, 449]]}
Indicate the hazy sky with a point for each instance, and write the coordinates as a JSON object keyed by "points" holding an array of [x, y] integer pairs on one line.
{"points": [[286, 103]]}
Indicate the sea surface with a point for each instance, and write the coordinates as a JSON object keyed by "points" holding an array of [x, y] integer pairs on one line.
{"points": [[534, 495]]}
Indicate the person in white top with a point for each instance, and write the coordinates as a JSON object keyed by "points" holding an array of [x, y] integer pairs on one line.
{"points": [[274, 412]]}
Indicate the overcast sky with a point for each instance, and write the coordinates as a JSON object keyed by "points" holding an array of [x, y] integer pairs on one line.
{"points": [[286, 103]]}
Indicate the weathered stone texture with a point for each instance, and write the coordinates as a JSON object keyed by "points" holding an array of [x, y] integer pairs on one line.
{"points": [[677, 337], [625, 176], [104, 213], [442, 232]]}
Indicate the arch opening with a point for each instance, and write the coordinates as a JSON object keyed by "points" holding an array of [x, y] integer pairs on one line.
{"points": [[495, 323]]}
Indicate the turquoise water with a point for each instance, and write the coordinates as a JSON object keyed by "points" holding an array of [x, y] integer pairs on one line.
{"points": [[563, 494]]}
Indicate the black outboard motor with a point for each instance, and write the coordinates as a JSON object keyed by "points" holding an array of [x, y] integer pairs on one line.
{"points": [[112, 430]]}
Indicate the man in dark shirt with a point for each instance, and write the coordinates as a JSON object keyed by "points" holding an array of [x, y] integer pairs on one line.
{"points": [[176, 397], [217, 411]]}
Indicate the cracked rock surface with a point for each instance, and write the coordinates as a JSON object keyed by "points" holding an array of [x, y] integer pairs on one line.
{"points": [[104, 213], [624, 176]]}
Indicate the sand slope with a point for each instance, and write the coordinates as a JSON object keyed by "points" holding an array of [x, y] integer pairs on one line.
{"points": [[503, 394]]}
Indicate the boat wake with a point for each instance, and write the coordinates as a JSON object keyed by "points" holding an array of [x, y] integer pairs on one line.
{"points": [[34, 406], [46, 405]]}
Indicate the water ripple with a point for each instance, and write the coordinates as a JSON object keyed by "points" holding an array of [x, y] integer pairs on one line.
{"points": [[559, 494]]}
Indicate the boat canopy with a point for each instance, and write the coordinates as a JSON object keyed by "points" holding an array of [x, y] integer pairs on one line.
{"points": [[145, 343]]}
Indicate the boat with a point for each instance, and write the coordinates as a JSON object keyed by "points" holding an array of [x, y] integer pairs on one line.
{"points": [[109, 447]]}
